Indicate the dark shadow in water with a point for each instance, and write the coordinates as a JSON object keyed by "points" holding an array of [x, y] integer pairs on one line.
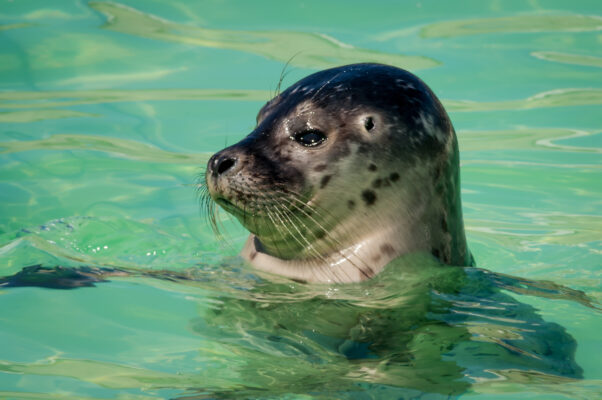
{"points": [[54, 277], [416, 328]]}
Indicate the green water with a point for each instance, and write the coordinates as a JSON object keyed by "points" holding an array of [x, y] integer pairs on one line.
{"points": [[109, 112]]}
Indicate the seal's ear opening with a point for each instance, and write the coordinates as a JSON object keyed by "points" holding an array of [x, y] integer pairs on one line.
{"points": [[369, 123]]}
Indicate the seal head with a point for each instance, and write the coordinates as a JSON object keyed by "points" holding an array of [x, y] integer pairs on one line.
{"points": [[346, 170]]}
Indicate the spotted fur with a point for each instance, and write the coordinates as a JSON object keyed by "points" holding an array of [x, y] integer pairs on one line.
{"points": [[377, 178]]}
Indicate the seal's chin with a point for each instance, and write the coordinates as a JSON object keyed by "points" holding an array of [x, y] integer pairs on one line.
{"points": [[285, 228], [238, 209], [248, 217], [228, 206], [253, 219]]}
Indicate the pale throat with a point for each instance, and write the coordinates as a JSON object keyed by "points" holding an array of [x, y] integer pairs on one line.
{"points": [[354, 263]]}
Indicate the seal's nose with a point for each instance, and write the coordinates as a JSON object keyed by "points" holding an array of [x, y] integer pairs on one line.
{"points": [[221, 163], [224, 164]]}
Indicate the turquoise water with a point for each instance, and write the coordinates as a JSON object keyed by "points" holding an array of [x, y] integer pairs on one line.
{"points": [[109, 112]]}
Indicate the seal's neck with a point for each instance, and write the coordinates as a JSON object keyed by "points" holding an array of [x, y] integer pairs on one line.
{"points": [[356, 263]]}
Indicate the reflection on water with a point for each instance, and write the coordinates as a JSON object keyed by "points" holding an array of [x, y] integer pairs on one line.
{"points": [[39, 115], [514, 24], [555, 98], [310, 50], [123, 147], [23, 99], [444, 330], [524, 139], [567, 58], [109, 113], [13, 26], [543, 228], [49, 99]]}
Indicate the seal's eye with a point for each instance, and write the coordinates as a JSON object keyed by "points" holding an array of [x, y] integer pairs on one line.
{"points": [[369, 123], [310, 138]]}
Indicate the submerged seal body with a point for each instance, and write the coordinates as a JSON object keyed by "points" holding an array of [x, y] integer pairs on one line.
{"points": [[346, 170]]}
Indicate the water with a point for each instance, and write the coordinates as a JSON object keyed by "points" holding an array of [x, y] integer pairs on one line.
{"points": [[109, 112]]}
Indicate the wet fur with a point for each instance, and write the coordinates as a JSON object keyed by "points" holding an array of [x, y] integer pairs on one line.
{"points": [[371, 192]]}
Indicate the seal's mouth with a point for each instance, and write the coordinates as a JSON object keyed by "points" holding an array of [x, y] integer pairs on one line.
{"points": [[241, 211], [282, 222], [260, 205]]}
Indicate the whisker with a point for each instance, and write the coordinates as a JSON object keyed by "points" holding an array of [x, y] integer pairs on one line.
{"points": [[207, 205], [307, 243], [284, 72], [326, 83], [276, 225], [329, 236], [281, 225], [288, 217], [321, 257], [280, 254]]}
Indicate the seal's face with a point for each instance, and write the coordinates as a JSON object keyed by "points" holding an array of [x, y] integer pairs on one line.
{"points": [[338, 155]]}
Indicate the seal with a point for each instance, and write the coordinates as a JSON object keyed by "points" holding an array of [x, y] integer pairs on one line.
{"points": [[346, 170]]}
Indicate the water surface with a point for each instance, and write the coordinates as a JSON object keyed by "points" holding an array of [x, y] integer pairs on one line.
{"points": [[109, 111]]}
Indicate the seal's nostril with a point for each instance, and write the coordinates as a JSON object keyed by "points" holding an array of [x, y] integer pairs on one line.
{"points": [[225, 164]]}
